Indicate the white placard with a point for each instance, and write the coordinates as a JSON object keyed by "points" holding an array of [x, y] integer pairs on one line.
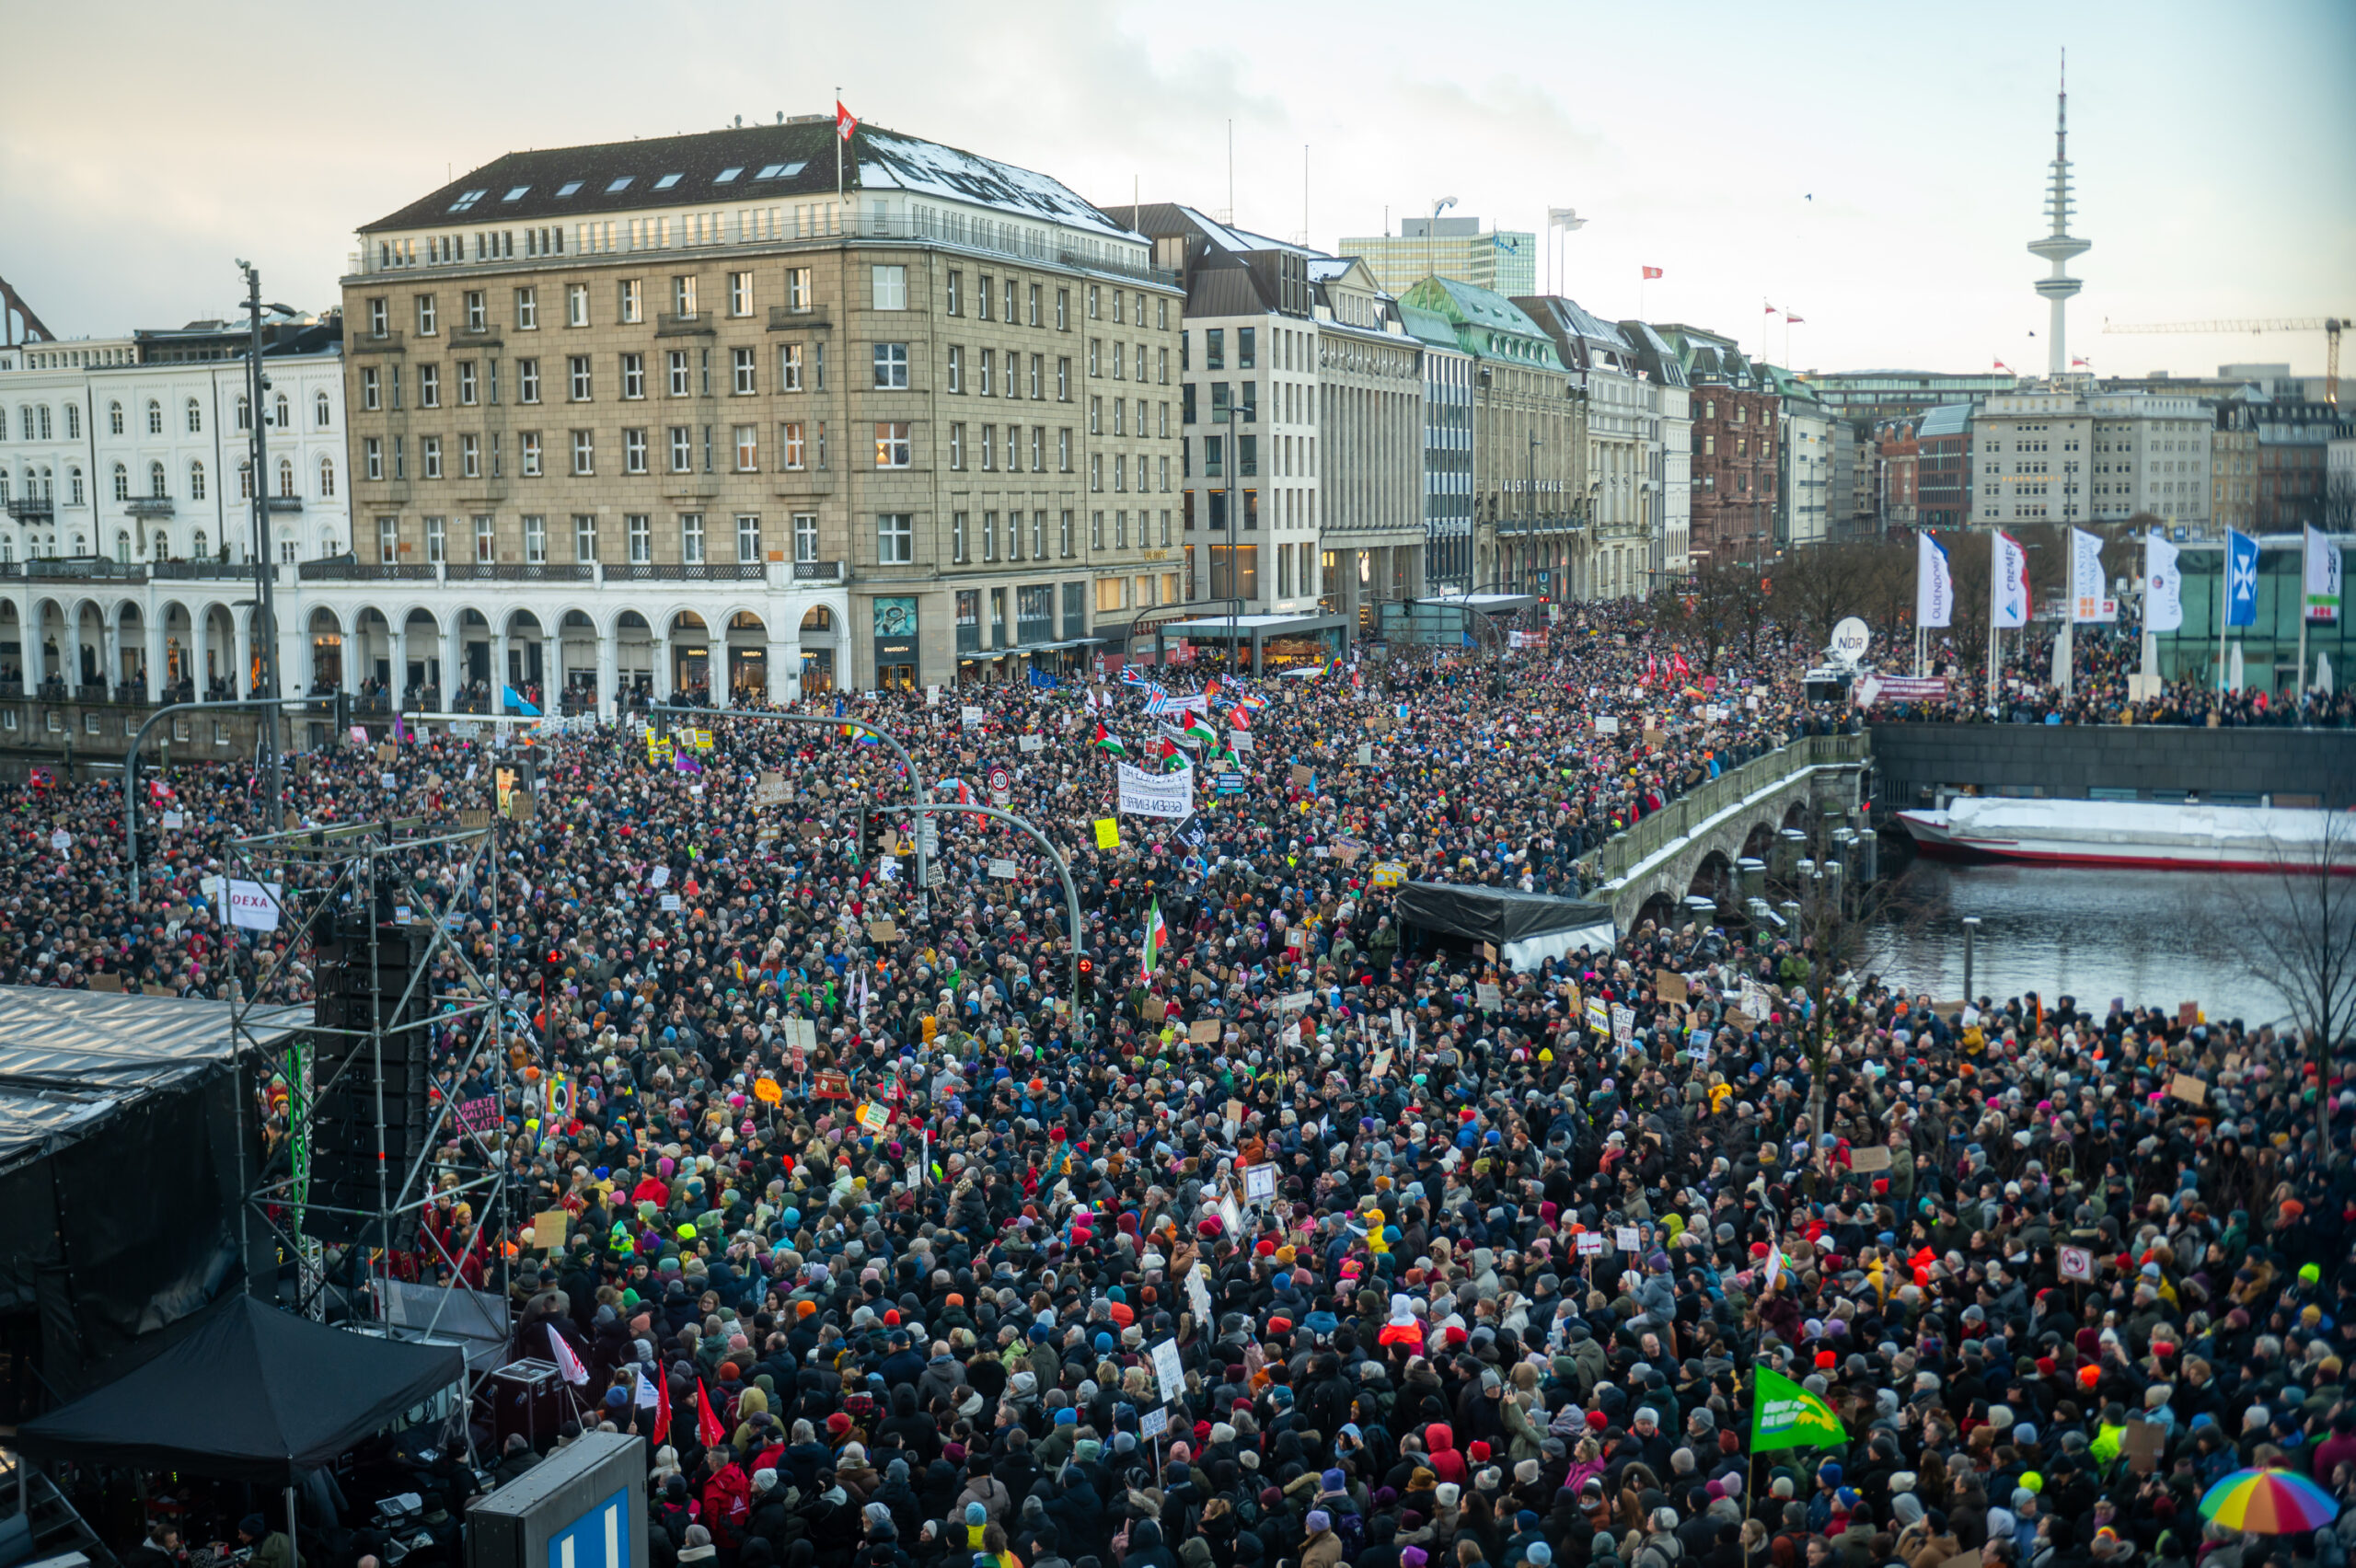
{"points": [[1231, 1216], [1004, 871], [1157, 794], [1239, 740], [1030, 743], [1153, 1424], [659, 877], [1259, 1183], [969, 715], [174, 820], [253, 906], [2075, 1264], [1169, 1371], [1605, 724], [389, 781], [1624, 1237], [61, 841], [672, 903], [1590, 1243]]}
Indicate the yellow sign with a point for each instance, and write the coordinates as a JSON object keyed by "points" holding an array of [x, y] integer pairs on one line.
{"points": [[506, 777], [658, 749], [767, 1091], [702, 739], [1389, 873], [1108, 832]]}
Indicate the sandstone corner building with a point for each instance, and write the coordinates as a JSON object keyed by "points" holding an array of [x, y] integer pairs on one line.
{"points": [[689, 424]]}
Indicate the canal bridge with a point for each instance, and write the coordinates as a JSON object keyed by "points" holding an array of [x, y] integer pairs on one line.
{"points": [[1689, 847]]}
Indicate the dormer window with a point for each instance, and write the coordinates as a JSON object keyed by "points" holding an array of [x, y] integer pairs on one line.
{"points": [[725, 175], [568, 187], [668, 182], [779, 171], [468, 201], [621, 184], [517, 195]]}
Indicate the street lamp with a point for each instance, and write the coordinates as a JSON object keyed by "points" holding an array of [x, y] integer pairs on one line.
{"points": [[263, 571]]}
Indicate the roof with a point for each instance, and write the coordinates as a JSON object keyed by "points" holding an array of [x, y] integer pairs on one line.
{"points": [[749, 163], [251, 1393], [1947, 419], [1238, 241], [1325, 269], [1431, 328], [1576, 321], [70, 1060]]}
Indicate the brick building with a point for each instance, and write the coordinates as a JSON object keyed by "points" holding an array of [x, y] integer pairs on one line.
{"points": [[1733, 448]]}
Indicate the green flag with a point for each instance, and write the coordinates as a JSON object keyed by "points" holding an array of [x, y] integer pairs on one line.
{"points": [[1785, 1415]]}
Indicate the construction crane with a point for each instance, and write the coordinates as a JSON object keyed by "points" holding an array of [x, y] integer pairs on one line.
{"points": [[2327, 325]]}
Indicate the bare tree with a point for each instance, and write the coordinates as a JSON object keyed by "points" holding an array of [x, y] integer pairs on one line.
{"points": [[2294, 929], [1726, 600]]}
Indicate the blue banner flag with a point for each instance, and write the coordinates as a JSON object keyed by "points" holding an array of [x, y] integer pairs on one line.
{"points": [[515, 701], [2241, 579]]}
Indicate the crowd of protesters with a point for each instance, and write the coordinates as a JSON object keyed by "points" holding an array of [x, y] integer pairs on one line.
{"points": [[1295, 1237]]}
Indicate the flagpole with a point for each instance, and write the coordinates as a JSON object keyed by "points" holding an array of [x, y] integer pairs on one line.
{"points": [[2299, 688], [2224, 600]]}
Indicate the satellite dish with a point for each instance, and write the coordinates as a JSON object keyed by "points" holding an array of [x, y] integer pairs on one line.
{"points": [[1849, 640]]}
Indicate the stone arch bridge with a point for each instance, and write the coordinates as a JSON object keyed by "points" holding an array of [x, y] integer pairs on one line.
{"points": [[1691, 845]]}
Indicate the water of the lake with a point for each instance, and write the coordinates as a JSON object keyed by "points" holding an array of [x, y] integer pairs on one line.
{"points": [[2093, 934]]}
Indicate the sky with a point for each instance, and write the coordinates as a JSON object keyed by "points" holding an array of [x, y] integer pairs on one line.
{"points": [[1880, 173]]}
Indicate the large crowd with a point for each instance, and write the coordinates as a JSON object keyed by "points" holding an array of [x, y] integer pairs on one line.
{"points": [[1296, 1238]]}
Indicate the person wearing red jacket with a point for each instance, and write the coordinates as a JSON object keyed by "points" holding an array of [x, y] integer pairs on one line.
{"points": [[727, 1499]]}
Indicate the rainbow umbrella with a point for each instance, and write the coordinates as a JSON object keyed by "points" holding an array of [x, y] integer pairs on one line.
{"points": [[2269, 1502]]}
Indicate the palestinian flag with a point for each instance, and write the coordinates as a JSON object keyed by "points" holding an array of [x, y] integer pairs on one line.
{"points": [[1105, 740], [1157, 936], [1199, 729]]}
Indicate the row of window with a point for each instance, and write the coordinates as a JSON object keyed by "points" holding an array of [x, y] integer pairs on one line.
{"points": [[887, 290], [1008, 545], [638, 537], [34, 424], [689, 449], [38, 486]]}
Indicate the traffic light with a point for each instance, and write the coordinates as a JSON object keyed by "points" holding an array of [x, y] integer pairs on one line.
{"points": [[553, 965], [1087, 975]]}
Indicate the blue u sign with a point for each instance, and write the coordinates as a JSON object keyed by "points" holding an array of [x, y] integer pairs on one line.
{"points": [[600, 1538]]}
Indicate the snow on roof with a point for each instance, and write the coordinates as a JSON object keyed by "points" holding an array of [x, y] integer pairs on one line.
{"points": [[1325, 269], [1226, 236], [888, 161]]}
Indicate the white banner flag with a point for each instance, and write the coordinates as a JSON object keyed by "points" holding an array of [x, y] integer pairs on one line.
{"points": [[1934, 583], [1157, 794], [2163, 586], [2008, 583], [2321, 577], [2087, 602], [253, 906]]}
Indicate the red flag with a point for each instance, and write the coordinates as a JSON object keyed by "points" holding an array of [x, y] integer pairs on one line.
{"points": [[845, 121], [1771, 309], [2003, 367], [709, 1432], [662, 1407], [1793, 318], [1652, 272], [1678, 666]]}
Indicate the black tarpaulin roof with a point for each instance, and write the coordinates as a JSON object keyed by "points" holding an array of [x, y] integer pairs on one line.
{"points": [[1494, 914], [251, 1393]]}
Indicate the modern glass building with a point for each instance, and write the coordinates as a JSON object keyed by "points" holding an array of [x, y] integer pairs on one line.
{"points": [[2269, 648]]}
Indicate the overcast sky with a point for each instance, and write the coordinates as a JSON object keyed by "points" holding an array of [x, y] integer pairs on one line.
{"points": [[1878, 172]]}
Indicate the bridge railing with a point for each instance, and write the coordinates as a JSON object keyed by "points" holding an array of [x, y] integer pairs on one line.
{"points": [[1613, 859]]}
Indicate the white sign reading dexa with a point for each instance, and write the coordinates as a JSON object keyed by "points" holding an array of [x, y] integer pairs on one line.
{"points": [[253, 906]]}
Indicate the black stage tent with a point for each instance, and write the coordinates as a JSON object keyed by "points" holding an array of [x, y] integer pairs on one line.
{"points": [[1525, 928], [250, 1393]]}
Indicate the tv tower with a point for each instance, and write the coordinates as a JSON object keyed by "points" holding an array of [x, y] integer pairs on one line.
{"points": [[2060, 245]]}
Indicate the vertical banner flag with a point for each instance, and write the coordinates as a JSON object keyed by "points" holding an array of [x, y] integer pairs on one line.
{"points": [[1157, 936], [2241, 579], [1785, 1415], [1934, 583], [2321, 577], [2008, 582], [2086, 600], [2163, 585]]}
